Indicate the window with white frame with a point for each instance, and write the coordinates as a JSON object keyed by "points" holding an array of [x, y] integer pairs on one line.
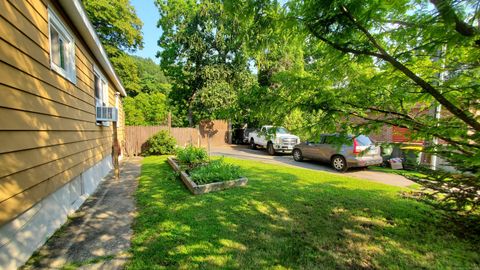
{"points": [[101, 88], [62, 47]]}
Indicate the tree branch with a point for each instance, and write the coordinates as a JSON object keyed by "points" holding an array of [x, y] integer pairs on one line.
{"points": [[382, 111], [416, 128], [341, 47], [461, 114], [413, 127], [364, 31], [449, 15]]}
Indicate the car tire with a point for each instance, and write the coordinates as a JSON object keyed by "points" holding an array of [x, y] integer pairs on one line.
{"points": [[297, 155], [253, 146], [339, 163], [270, 149]]}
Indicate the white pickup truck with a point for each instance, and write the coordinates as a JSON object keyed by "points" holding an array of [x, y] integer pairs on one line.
{"points": [[274, 139]]}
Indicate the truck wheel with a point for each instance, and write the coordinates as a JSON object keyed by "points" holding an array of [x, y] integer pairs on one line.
{"points": [[297, 155], [339, 163], [270, 149], [252, 144]]}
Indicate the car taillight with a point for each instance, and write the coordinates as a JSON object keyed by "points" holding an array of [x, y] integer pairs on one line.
{"points": [[355, 146]]}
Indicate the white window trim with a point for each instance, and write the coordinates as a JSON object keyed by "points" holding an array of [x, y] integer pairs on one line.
{"points": [[70, 71], [104, 93]]}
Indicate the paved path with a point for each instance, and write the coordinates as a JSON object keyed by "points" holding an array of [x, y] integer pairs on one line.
{"points": [[98, 235], [243, 152]]}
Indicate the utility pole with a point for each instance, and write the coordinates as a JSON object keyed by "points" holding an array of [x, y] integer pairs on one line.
{"points": [[437, 113]]}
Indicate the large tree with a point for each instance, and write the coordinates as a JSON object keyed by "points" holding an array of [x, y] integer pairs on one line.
{"points": [[116, 24], [151, 77], [402, 60], [146, 109], [371, 63], [119, 30], [201, 50]]}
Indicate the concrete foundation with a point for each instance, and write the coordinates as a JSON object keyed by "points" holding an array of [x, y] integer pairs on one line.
{"points": [[21, 237]]}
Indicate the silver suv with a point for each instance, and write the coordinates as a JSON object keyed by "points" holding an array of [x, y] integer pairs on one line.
{"points": [[341, 152]]}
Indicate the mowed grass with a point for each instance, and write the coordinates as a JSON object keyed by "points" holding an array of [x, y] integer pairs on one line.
{"points": [[288, 219]]}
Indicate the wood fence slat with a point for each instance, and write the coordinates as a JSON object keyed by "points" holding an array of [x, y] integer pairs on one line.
{"points": [[136, 136]]}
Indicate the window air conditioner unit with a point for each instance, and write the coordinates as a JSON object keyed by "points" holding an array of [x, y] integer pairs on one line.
{"points": [[107, 114]]}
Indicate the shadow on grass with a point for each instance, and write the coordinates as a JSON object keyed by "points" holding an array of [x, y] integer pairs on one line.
{"points": [[287, 218]]}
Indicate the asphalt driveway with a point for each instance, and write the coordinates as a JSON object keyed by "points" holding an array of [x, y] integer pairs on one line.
{"points": [[244, 152]]}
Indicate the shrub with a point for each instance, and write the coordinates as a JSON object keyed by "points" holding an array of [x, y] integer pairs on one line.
{"points": [[161, 143], [192, 156], [215, 171]]}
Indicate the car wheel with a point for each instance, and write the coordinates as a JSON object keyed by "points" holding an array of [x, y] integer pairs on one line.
{"points": [[339, 163], [252, 144], [270, 149], [297, 155]]}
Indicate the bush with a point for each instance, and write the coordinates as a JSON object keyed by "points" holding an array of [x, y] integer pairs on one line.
{"points": [[215, 171], [192, 156], [161, 143]]}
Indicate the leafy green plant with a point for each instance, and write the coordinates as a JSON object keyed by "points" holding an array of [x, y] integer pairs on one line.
{"points": [[215, 171], [161, 143], [192, 156]]}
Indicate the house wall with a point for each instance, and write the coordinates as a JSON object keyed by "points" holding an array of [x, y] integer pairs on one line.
{"points": [[29, 231], [48, 133]]}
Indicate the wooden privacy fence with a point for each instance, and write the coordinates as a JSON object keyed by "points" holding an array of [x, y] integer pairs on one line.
{"points": [[136, 136]]}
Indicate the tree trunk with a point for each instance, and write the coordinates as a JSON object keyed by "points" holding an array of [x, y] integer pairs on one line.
{"points": [[190, 116]]}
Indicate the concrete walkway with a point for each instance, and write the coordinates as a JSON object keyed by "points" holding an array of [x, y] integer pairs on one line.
{"points": [[244, 152], [98, 235]]}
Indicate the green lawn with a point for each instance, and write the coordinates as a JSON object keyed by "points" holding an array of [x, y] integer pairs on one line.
{"points": [[288, 219]]}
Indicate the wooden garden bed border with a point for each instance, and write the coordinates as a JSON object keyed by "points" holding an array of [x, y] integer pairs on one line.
{"points": [[206, 188]]}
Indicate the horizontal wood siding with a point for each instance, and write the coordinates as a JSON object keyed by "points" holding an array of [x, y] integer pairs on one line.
{"points": [[48, 131]]}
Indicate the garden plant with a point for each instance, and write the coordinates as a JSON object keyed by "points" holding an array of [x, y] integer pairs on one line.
{"points": [[202, 170]]}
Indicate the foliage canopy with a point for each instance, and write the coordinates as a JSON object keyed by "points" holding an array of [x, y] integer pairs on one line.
{"points": [[366, 64], [119, 29], [145, 109], [203, 51]]}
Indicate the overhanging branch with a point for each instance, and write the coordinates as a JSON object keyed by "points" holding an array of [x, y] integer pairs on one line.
{"points": [[383, 54]]}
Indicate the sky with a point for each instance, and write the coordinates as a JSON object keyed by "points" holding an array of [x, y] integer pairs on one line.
{"points": [[148, 13]]}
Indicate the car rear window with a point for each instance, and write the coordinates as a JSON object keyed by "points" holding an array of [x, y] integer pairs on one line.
{"points": [[363, 140]]}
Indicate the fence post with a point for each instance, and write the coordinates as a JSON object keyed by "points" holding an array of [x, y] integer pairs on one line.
{"points": [[229, 130], [169, 122], [198, 136]]}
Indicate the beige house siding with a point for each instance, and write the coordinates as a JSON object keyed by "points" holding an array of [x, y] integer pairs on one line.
{"points": [[48, 132]]}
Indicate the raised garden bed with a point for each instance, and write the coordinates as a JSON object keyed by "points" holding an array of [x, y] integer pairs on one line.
{"points": [[205, 188]]}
